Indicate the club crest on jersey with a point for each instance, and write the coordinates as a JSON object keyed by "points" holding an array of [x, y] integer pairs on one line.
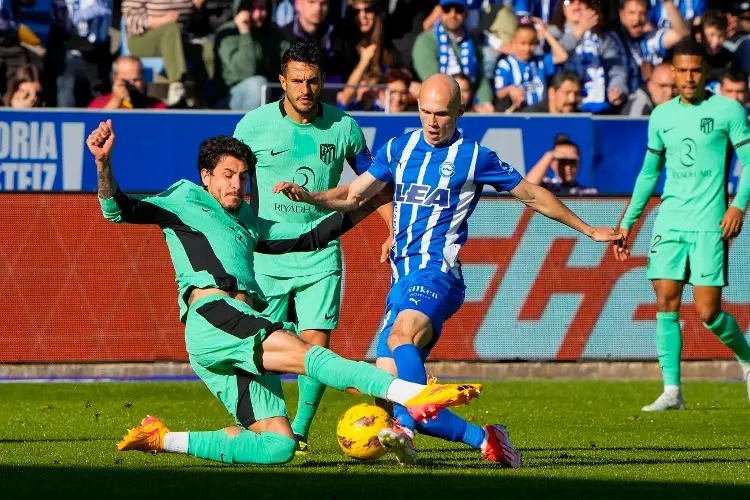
{"points": [[327, 153], [420, 194], [707, 125], [447, 169]]}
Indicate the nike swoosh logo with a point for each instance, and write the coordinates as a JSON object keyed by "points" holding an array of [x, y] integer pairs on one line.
{"points": [[274, 153], [205, 209], [707, 275], [668, 129], [330, 316], [222, 458], [309, 404]]}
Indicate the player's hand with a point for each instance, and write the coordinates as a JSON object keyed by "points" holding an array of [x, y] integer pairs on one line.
{"points": [[385, 249], [604, 233], [292, 191], [620, 247], [100, 142], [731, 223]]}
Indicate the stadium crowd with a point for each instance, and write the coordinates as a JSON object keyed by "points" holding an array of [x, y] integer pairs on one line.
{"points": [[547, 56]]}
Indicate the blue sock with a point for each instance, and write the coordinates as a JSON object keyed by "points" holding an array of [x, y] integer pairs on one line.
{"points": [[451, 427], [410, 368]]}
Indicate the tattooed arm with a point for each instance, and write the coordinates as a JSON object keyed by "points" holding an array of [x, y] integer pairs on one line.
{"points": [[100, 143]]}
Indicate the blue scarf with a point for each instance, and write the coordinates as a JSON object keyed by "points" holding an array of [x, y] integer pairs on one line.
{"points": [[468, 59]]}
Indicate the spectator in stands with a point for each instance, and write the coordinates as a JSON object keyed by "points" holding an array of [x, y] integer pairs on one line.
{"points": [[310, 25], [248, 56], [499, 24], [563, 95], [659, 89], [78, 58], [360, 93], [690, 10], [738, 33], [449, 48], [541, 9], [397, 82], [564, 160], [639, 51], [364, 27], [467, 96], [576, 24], [24, 89], [734, 85], [128, 88], [12, 54], [153, 31], [403, 23], [713, 35], [522, 76]]}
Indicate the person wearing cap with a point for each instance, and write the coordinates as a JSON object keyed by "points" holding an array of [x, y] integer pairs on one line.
{"points": [[449, 48]]}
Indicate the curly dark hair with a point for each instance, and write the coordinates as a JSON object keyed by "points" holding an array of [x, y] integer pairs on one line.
{"points": [[214, 149], [304, 52]]}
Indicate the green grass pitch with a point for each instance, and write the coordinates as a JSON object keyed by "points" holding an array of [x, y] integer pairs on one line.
{"points": [[579, 439]]}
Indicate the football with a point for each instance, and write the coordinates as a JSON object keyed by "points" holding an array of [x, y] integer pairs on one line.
{"points": [[357, 431]]}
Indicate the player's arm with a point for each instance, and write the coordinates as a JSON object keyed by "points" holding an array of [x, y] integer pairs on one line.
{"points": [[653, 163], [541, 200], [360, 160], [739, 136], [281, 237], [117, 206], [491, 170]]}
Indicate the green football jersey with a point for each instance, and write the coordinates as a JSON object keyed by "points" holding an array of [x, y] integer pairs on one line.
{"points": [[213, 248], [695, 143], [311, 155]]}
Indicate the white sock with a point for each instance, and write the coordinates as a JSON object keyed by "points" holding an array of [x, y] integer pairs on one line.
{"points": [[672, 390], [401, 391], [745, 370], [176, 442]]}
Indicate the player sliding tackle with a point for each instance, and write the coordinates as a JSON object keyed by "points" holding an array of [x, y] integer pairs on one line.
{"points": [[438, 177], [233, 347], [689, 136]]}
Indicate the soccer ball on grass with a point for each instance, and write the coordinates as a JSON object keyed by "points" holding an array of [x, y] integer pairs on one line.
{"points": [[357, 431]]}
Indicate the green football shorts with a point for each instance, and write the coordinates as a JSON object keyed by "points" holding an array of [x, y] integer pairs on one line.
{"points": [[223, 338], [695, 257], [312, 302]]}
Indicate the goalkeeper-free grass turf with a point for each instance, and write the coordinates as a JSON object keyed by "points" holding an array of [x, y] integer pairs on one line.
{"points": [[579, 439]]}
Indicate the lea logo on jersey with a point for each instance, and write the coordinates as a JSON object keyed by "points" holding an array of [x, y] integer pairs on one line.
{"points": [[420, 194]]}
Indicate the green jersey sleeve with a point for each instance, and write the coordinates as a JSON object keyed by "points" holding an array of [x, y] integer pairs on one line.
{"points": [[358, 156], [739, 135], [160, 209], [283, 237], [653, 164]]}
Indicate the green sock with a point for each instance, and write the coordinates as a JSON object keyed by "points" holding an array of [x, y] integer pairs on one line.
{"points": [[245, 448], [669, 346], [310, 393], [334, 371], [726, 328]]}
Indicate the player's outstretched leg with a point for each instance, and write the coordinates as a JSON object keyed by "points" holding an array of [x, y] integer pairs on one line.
{"points": [[284, 352], [233, 445]]}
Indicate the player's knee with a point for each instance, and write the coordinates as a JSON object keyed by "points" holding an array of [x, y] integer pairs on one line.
{"points": [[398, 338], [279, 448], [707, 312], [667, 303]]}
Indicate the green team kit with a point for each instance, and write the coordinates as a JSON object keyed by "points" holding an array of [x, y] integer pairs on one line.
{"points": [[213, 248], [311, 155], [694, 142], [304, 288]]}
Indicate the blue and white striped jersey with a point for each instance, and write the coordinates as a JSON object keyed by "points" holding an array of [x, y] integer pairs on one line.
{"points": [[436, 188]]}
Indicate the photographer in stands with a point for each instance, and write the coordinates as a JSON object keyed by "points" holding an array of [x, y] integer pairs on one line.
{"points": [[128, 88], [564, 160]]}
